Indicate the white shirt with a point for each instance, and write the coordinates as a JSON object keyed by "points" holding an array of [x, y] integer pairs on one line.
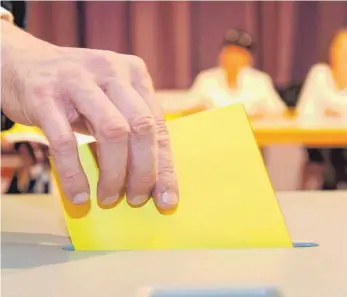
{"points": [[254, 90], [320, 93]]}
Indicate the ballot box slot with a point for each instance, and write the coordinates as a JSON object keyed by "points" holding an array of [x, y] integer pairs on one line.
{"points": [[70, 248], [238, 292], [305, 244]]}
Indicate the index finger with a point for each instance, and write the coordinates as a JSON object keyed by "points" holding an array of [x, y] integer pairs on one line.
{"points": [[64, 150], [165, 192]]}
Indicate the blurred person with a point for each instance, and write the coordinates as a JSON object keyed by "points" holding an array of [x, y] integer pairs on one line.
{"points": [[6, 146], [63, 90], [324, 96], [9, 163], [235, 80], [24, 180]]}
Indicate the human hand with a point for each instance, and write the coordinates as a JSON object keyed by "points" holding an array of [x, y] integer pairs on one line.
{"points": [[102, 93]]}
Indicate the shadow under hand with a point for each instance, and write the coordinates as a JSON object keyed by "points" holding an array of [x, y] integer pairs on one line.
{"points": [[29, 250]]}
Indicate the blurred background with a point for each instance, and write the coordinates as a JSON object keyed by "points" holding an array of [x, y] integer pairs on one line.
{"points": [[178, 40]]}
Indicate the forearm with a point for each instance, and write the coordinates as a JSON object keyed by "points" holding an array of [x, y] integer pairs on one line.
{"points": [[13, 42]]}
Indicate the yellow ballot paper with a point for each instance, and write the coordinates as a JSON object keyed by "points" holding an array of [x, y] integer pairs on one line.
{"points": [[226, 197]]}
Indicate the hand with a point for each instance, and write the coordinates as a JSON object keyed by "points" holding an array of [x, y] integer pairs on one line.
{"points": [[109, 95]]}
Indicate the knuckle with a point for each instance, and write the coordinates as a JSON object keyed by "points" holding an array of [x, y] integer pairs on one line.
{"points": [[134, 67], [41, 89], [163, 141], [115, 130], [148, 178], [164, 144], [162, 134], [161, 126], [140, 70], [69, 178], [143, 125], [138, 64], [74, 75], [108, 54], [167, 179], [63, 143], [103, 60]]}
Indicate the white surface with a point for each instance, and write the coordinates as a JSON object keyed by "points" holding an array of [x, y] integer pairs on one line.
{"points": [[36, 266]]}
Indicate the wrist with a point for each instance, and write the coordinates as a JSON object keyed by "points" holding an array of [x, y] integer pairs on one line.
{"points": [[13, 43], [17, 43]]}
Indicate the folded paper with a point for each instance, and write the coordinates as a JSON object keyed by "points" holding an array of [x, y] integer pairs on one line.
{"points": [[226, 197]]}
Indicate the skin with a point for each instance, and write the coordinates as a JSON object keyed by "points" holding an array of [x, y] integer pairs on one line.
{"points": [[233, 59], [102, 93], [338, 59]]}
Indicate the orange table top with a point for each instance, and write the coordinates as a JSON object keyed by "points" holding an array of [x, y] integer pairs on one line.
{"points": [[287, 130], [290, 131]]}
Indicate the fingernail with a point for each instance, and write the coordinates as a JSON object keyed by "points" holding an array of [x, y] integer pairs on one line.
{"points": [[109, 200], [170, 198], [81, 198], [138, 200]]}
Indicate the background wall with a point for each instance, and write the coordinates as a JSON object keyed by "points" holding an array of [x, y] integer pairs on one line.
{"points": [[178, 39]]}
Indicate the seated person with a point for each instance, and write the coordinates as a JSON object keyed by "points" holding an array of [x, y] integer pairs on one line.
{"points": [[34, 174], [324, 95], [235, 81]]}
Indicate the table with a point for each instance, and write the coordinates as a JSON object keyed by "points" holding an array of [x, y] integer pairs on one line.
{"points": [[288, 129], [292, 131], [35, 265], [268, 131]]}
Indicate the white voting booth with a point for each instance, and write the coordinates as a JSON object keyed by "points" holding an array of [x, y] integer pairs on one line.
{"points": [[34, 263]]}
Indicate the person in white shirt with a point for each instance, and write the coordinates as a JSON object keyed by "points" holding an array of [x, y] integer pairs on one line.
{"points": [[236, 81], [324, 95], [63, 90]]}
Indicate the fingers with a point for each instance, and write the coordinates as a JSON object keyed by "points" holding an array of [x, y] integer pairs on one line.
{"points": [[142, 165], [64, 151], [133, 146], [165, 192], [111, 130]]}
